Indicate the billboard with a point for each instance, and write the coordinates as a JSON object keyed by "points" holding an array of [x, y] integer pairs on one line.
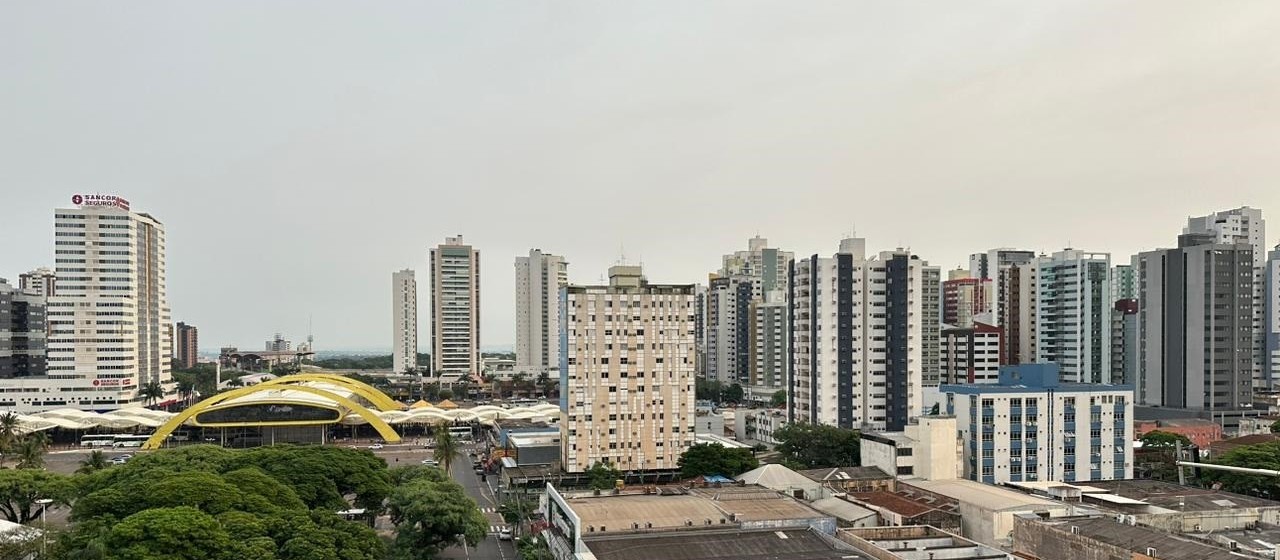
{"points": [[88, 200]]}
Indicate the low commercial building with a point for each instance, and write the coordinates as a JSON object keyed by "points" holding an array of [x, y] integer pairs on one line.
{"points": [[1179, 509], [851, 479], [785, 480], [910, 506], [987, 512], [758, 425], [738, 544], [917, 542], [1103, 538], [535, 449], [927, 448], [708, 422], [1200, 431], [656, 522]]}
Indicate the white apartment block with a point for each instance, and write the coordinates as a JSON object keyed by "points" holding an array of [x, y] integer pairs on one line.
{"points": [[991, 265], [1073, 314], [864, 337], [767, 354], [539, 278], [757, 425], [970, 354], [928, 448], [109, 326], [1031, 428], [404, 321], [760, 261], [455, 309], [728, 330], [627, 373]]}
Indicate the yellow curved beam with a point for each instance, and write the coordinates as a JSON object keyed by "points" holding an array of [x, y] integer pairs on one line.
{"points": [[370, 393], [157, 439]]}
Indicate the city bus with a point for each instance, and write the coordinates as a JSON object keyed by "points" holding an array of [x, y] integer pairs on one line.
{"points": [[97, 440], [460, 432], [129, 440]]}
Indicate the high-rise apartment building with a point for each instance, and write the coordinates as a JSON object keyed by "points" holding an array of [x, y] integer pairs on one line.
{"points": [[627, 373], [743, 281], [1073, 314], [1243, 225], [767, 353], [1271, 319], [22, 337], [990, 266], [109, 325], [1030, 427], [1124, 284], [964, 297], [539, 278], [1017, 320], [404, 321], [1195, 324], [41, 282], [864, 337], [1124, 342], [187, 345], [970, 354], [455, 309]]}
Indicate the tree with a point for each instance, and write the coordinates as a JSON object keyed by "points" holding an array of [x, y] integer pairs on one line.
{"points": [[151, 393], [812, 446], [432, 515], [707, 389], [444, 394], [96, 461], [533, 549], [446, 446], [31, 449], [779, 398], [732, 394], [1159, 438], [516, 509], [603, 476], [1260, 456], [712, 458], [20, 488], [182, 533], [8, 434], [1275, 427], [186, 389]]}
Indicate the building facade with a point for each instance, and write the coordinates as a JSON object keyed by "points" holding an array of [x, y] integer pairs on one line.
{"points": [[627, 373], [1017, 319], [970, 354], [1124, 342], [455, 309], [22, 334], [1195, 325], [1073, 314], [1030, 427], [109, 326], [1124, 283], [404, 321], [767, 350], [1271, 316], [991, 265], [187, 345], [745, 280], [40, 282], [964, 297], [864, 337], [1245, 226], [539, 278]]}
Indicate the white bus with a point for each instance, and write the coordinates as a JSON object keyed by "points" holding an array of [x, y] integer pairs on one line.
{"points": [[129, 441], [460, 432], [97, 440]]}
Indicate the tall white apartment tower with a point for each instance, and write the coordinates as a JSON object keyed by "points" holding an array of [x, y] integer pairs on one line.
{"points": [[1243, 226], [627, 373], [745, 279], [455, 309], [404, 321], [864, 337], [1073, 314], [539, 278], [109, 325]]}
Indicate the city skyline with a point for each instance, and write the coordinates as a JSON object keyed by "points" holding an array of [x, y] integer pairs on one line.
{"points": [[1027, 126]]}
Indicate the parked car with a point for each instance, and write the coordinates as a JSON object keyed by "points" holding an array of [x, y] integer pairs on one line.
{"points": [[504, 534], [376, 446], [431, 462]]}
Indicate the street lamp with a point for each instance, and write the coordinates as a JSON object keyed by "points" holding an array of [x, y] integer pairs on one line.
{"points": [[44, 527]]}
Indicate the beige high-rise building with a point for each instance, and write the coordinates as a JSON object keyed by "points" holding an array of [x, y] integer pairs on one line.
{"points": [[539, 278], [109, 325], [404, 321], [455, 309], [627, 393]]}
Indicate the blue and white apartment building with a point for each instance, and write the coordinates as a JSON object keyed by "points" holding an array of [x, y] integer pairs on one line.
{"points": [[1029, 427]]}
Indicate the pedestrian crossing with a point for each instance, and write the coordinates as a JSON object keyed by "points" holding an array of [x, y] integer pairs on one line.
{"points": [[496, 528], [488, 510]]}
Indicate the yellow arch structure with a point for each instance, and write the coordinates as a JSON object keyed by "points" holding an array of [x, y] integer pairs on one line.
{"points": [[157, 439], [373, 395]]}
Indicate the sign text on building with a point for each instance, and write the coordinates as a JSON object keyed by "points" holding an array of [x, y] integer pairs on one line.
{"points": [[99, 200]]}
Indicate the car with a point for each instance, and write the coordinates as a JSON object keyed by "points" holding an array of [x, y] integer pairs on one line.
{"points": [[504, 534], [431, 462], [479, 470], [376, 446], [119, 461]]}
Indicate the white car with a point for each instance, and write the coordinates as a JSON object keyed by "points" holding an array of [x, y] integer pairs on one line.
{"points": [[376, 446], [504, 534], [119, 460], [431, 462]]}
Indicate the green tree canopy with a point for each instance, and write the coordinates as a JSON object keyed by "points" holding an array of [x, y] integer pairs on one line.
{"points": [[732, 394], [602, 476], [813, 446], [779, 398], [1275, 427], [20, 488], [1159, 438], [430, 515], [713, 458], [1260, 456]]}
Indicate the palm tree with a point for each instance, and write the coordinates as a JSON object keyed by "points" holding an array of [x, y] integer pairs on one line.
{"points": [[186, 389], [8, 433], [446, 446], [31, 450], [96, 461], [519, 381], [152, 392]]}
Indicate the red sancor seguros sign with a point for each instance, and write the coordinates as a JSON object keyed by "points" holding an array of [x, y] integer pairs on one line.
{"points": [[85, 200]]}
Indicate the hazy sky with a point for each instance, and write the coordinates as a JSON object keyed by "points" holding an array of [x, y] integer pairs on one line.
{"points": [[299, 152]]}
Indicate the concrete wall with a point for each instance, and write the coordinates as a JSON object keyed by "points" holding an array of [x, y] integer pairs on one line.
{"points": [[880, 455], [1038, 541], [1235, 518]]}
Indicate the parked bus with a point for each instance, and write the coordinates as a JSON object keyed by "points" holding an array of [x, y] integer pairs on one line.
{"points": [[129, 440], [460, 432], [97, 440]]}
